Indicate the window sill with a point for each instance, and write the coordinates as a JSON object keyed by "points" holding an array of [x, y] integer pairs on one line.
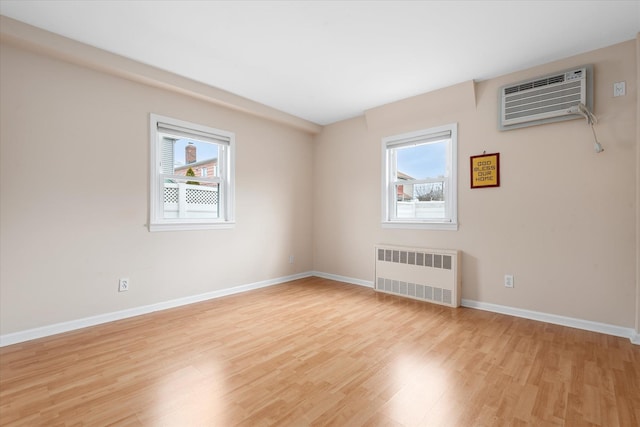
{"points": [[191, 226], [450, 226]]}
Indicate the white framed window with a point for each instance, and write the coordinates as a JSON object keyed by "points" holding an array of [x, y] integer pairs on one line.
{"points": [[178, 198], [419, 179]]}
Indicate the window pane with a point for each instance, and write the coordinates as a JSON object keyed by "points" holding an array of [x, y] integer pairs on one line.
{"points": [[423, 161], [419, 207], [421, 200], [433, 191], [181, 155], [404, 192], [191, 199]]}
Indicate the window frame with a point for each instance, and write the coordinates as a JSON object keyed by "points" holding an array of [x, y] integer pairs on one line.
{"points": [[226, 178], [389, 196]]}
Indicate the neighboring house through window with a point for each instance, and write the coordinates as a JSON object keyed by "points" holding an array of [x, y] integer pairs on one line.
{"points": [[420, 179], [192, 175]]}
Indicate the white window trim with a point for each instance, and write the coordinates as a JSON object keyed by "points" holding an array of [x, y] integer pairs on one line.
{"points": [[388, 191], [156, 211]]}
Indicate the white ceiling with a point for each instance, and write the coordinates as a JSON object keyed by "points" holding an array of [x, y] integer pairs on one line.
{"points": [[326, 61]]}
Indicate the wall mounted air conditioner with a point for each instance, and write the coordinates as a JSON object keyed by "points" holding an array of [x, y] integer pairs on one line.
{"points": [[545, 99]]}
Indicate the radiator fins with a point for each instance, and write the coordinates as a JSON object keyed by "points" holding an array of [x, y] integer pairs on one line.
{"points": [[422, 274]]}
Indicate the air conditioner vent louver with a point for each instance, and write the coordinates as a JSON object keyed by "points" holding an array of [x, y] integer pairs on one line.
{"points": [[546, 99]]}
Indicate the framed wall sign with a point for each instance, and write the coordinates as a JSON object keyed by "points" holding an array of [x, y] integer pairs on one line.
{"points": [[485, 170]]}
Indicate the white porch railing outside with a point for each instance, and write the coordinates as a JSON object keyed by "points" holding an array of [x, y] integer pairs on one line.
{"points": [[183, 200], [416, 209]]}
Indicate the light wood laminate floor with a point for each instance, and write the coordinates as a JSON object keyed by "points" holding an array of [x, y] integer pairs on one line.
{"points": [[319, 352]]}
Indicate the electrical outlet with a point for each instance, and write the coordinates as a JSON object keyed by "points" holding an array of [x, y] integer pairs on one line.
{"points": [[619, 89], [123, 285], [508, 280], [291, 258]]}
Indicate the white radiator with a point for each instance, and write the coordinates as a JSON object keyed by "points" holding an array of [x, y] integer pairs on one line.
{"points": [[425, 274]]}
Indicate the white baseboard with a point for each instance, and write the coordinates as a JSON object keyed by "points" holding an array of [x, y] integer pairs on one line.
{"points": [[351, 280], [45, 331], [58, 328], [587, 325], [555, 319]]}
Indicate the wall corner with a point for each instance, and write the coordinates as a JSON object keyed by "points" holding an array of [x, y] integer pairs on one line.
{"points": [[637, 319]]}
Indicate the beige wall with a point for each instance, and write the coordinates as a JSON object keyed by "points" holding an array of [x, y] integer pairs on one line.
{"points": [[74, 197], [563, 221]]}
